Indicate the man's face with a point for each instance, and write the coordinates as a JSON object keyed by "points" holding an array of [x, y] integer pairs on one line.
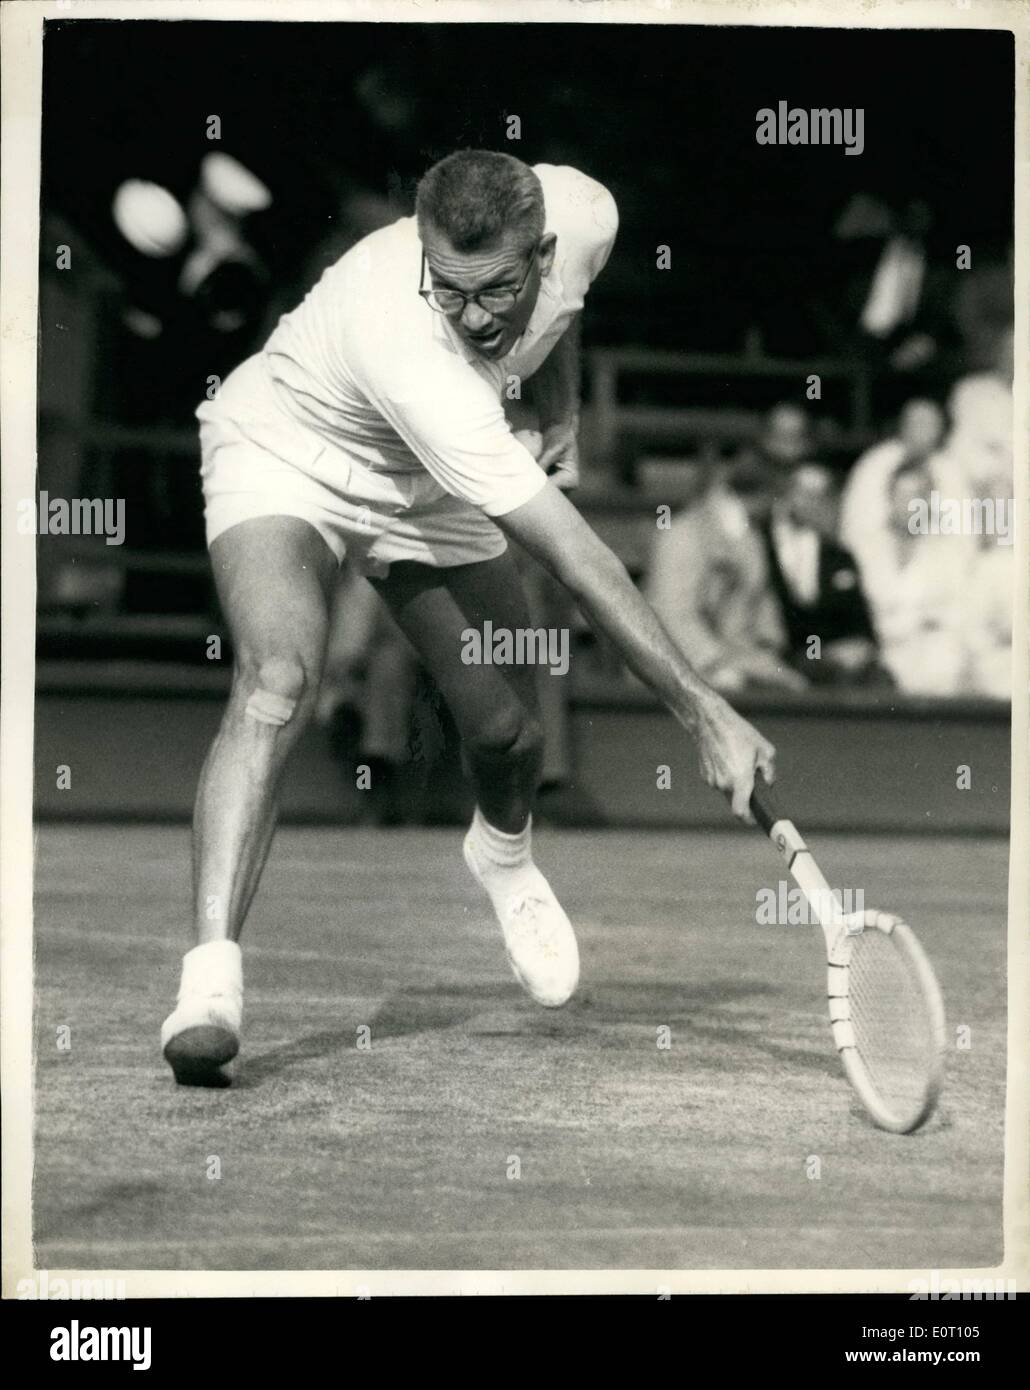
{"points": [[921, 427], [810, 499], [503, 266]]}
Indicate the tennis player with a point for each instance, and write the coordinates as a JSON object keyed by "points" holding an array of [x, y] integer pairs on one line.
{"points": [[372, 424]]}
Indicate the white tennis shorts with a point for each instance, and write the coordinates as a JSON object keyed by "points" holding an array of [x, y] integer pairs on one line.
{"points": [[269, 465]]}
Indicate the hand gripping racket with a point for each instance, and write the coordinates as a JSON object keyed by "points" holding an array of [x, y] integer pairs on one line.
{"points": [[886, 1010]]}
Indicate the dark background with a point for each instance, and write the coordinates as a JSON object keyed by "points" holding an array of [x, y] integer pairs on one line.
{"points": [[663, 115]]}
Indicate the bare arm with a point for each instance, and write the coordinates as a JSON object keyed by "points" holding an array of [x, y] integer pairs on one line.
{"points": [[554, 533], [555, 389], [556, 386]]}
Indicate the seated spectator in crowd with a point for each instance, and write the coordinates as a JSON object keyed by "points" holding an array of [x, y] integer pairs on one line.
{"points": [[978, 461], [942, 604], [863, 528], [977, 454], [915, 592], [750, 574], [784, 441], [828, 626], [987, 619], [709, 583], [988, 604]]}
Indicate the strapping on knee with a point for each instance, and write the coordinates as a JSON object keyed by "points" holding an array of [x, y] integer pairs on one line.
{"points": [[280, 685], [269, 708]]}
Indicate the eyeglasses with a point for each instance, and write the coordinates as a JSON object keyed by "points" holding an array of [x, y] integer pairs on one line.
{"points": [[452, 302]]}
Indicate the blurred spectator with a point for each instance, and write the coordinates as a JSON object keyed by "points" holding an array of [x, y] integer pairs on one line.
{"points": [[897, 297], [977, 459], [942, 604], [915, 591], [812, 574], [817, 583], [785, 440], [709, 583], [195, 287], [751, 573], [863, 527], [986, 619], [977, 455], [894, 306]]}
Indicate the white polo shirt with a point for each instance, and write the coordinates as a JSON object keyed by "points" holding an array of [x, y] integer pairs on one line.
{"points": [[367, 365]]}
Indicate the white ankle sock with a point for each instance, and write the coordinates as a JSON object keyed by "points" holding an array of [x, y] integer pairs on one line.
{"points": [[496, 849], [210, 992], [216, 967], [503, 863], [538, 936]]}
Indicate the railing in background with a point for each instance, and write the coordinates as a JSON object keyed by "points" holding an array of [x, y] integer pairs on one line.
{"points": [[612, 424]]}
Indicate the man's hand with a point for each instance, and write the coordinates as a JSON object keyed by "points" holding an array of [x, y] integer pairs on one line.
{"points": [[731, 752], [556, 451], [560, 454]]}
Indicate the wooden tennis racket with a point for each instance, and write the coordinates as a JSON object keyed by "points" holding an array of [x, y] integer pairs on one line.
{"points": [[886, 1010]]}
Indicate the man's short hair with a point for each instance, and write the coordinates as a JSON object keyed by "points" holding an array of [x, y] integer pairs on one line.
{"points": [[475, 196]]}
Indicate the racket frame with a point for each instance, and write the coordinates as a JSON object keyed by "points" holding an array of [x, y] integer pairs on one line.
{"points": [[904, 940], [838, 931]]}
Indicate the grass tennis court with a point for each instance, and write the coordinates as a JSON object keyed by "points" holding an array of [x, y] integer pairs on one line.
{"points": [[397, 1156]]}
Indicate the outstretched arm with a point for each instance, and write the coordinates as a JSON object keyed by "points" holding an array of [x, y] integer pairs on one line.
{"points": [[554, 533]]}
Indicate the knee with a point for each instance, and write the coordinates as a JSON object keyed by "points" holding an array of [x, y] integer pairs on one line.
{"points": [[276, 690], [510, 732]]}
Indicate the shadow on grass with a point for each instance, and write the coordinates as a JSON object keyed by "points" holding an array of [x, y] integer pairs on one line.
{"points": [[500, 1010]]}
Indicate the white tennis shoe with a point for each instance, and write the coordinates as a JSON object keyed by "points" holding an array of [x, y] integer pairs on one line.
{"points": [[202, 1033], [538, 936]]}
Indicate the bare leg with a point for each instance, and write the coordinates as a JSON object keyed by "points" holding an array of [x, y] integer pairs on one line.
{"points": [[494, 707], [550, 607], [274, 577], [354, 614]]}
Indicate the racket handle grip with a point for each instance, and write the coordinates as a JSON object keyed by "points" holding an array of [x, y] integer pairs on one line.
{"points": [[763, 807]]}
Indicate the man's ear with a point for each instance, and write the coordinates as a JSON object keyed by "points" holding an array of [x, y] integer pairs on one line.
{"points": [[545, 255]]}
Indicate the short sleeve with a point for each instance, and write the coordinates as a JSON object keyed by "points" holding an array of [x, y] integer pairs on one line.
{"points": [[585, 218]]}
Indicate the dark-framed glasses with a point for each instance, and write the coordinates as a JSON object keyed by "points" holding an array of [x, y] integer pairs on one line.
{"points": [[492, 301]]}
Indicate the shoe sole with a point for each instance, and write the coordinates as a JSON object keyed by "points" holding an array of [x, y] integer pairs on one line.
{"points": [[197, 1055]]}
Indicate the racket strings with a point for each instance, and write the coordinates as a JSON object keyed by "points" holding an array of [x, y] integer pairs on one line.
{"points": [[893, 1034]]}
